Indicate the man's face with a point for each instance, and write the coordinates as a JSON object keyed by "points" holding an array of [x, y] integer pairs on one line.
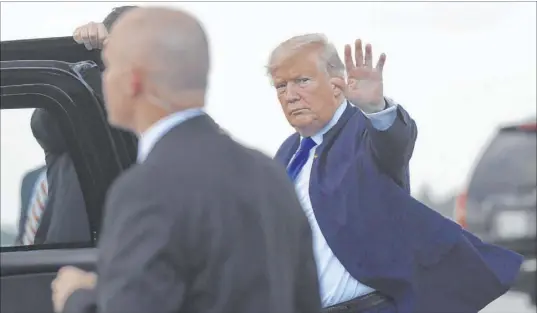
{"points": [[306, 94], [117, 87]]}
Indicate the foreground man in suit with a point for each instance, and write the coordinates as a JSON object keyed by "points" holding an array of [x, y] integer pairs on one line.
{"points": [[377, 249], [201, 224]]}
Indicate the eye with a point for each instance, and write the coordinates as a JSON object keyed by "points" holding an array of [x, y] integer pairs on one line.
{"points": [[303, 80], [280, 86]]}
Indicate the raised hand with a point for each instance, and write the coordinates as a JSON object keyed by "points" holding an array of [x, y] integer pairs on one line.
{"points": [[364, 82], [92, 35]]}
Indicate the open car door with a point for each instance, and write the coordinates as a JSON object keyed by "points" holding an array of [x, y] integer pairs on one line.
{"points": [[63, 78]]}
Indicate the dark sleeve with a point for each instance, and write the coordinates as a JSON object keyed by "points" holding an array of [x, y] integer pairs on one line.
{"points": [[392, 148], [307, 284], [81, 301], [137, 269], [69, 221]]}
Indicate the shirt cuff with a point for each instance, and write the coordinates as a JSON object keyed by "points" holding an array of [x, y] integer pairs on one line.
{"points": [[384, 119]]}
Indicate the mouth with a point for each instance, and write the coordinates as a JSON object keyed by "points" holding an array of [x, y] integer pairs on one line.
{"points": [[298, 112]]}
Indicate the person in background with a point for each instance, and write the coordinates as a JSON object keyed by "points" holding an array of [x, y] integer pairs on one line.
{"points": [[200, 223], [59, 210], [93, 34], [377, 249]]}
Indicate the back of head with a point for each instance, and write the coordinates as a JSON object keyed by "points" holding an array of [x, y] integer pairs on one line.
{"points": [[46, 130], [111, 18], [157, 62], [170, 45]]}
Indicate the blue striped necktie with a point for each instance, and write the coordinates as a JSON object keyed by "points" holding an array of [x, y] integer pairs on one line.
{"points": [[35, 211], [301, 156]]}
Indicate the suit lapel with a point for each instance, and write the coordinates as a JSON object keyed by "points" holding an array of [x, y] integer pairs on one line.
{"points": [[331, 135], [288, 148]]}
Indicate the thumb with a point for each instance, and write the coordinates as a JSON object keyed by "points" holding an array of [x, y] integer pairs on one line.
{"points": [[77, 36], [339, 84]]}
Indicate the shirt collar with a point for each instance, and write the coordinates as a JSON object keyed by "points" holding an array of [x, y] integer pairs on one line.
{"points": [[153, 134], [318, 137]]}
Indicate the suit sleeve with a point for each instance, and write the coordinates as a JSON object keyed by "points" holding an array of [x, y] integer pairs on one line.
{"points": [[392, 135], [69, 221], [307, 284], [138, 269], [81, 301]]}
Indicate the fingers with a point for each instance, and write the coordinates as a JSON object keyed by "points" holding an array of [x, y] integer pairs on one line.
{"points": [[358, 54], [84, 35], [349, 64], [67, 269], [105, 41], [76, 35], [380, 62], [362, 58], [92, 35], [54, 284], [368, 59]]}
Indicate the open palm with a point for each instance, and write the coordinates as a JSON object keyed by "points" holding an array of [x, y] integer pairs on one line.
{"points": [[364, 82]]}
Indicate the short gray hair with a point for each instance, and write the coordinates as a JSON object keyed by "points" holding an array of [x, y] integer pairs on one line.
{"points": [[329, 57]]}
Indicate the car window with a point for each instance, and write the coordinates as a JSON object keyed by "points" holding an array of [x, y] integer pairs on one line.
{"points": [[507, 166], [41, 199]]}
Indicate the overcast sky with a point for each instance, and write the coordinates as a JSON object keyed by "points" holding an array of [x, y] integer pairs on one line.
{"points": [[460, 69]]}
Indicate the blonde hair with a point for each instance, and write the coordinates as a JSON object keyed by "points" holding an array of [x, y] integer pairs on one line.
{"points": [[328, 56]]}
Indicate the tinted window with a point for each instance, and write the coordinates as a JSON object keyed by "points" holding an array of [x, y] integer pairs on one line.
{"points": [[41, 198], [507, 166]]}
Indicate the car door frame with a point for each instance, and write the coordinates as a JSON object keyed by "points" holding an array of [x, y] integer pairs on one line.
{"points": [[31, 73]]}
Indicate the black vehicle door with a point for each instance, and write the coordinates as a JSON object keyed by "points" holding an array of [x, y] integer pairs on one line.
{"points": [[63, 79]]}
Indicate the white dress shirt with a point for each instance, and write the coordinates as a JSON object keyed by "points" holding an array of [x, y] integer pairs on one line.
{"points": [[336, 284]]}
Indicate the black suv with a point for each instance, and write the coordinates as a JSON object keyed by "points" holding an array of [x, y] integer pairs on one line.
{"points": [[499, 204], [62, 77]]}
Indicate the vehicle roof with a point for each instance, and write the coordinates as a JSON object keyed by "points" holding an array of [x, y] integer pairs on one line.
{"points": [[527, 121], [54, 48]]}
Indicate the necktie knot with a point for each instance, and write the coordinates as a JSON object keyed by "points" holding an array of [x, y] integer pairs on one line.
{"points": [[306, 144], [300, 158]]}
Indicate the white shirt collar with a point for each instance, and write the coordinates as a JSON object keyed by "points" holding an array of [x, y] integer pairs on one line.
{"points": [[154, 133]]}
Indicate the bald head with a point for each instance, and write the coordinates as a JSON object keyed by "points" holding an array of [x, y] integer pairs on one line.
{"points": [[156, 63], [168, 46]]}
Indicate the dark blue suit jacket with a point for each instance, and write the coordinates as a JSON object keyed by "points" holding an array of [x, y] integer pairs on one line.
{"points": [[386, 239]]}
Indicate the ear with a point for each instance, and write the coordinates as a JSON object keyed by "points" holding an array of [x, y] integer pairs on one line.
{"points": [[136, 83], [338, 85]]}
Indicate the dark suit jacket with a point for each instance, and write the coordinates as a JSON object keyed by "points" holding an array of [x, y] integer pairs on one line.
{"points": [[64, 219], [386, 239], [203, 225]]}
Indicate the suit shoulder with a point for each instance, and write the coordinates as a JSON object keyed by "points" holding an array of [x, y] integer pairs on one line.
{"points": [[289, 139], [135, 182], [267, 163], [286, 144], [145, 189]]}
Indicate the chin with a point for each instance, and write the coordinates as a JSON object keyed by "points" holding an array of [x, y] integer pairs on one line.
{"points": [[305, 130]]}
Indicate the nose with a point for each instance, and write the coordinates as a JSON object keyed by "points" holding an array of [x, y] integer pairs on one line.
{"points": [[290, 93]]}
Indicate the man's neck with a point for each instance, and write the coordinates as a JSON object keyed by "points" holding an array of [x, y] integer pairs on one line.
{"points": [[144, 119], [148, 115]]}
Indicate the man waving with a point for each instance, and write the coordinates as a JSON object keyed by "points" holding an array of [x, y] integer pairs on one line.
{"points": [[376, 248]]}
